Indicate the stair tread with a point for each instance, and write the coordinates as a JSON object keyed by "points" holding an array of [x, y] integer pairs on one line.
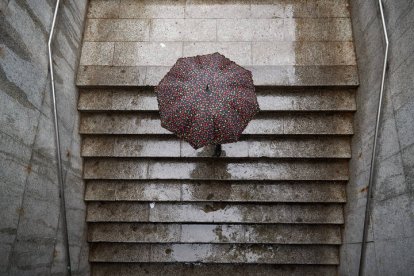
{"points": [[118, 168], [217, 212], [270, 99], [264, 124], [138, 146], [104, 190], [203, 269], [214, 233], [214, 253], [266, 75]]}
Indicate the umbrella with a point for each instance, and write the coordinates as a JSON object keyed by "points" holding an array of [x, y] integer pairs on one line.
{"points": [[206, 99]]}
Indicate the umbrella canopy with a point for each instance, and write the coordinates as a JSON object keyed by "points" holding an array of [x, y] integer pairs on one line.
{"points": [[207, 99]]}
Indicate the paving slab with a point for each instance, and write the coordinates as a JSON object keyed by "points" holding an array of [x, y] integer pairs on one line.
{"points": [[298, 9], [109, 30], [217, 9], [110, 75], [103, 9], [303, 53], [239, 52], [152, 8], [183, 30], [320, 29], [315, 75], [97, 53], [279, 29], [136, 53], [251, 30]]}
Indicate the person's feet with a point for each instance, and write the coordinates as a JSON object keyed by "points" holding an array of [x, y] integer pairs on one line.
{"points": [[217, 151]]}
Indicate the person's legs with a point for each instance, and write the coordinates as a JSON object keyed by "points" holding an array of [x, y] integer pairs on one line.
{"points": [[217, 151]]}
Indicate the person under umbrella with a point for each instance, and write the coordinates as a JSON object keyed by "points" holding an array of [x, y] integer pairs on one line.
{"points": [[207, 100]]}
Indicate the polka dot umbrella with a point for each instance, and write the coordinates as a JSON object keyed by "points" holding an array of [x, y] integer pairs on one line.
{"points": [[207, 99]]}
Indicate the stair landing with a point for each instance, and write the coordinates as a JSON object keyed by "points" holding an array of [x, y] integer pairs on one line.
{"points": [[283, 42]]}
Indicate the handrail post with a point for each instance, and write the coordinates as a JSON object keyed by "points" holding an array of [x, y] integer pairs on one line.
{"points": [[57, 139], [374, 151]]}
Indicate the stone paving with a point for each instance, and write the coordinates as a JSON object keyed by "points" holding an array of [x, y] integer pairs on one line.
{"points": [[290, 39]]}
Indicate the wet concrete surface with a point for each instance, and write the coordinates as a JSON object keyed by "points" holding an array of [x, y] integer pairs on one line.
{"points": [[275, 197], [281, 37]]}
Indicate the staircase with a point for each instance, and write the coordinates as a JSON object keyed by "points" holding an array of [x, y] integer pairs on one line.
{"points": [[275, 198], [273, 203]]}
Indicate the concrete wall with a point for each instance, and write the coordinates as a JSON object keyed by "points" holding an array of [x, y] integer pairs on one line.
{"points": [[390, 249], [30, 218]]}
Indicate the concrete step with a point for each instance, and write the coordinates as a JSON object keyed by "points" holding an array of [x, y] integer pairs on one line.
{"points": [[286, 147], [270, 99], [202, 269], [263, 124], [289, 9], [139, 168], [216, 212], [263, 75], [214, 233], [206, 191], [214, 253]]}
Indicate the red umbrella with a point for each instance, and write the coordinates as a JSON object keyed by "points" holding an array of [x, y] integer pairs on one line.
{"points": [[207, 99]]}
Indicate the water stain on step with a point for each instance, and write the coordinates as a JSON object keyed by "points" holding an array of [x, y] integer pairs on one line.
{"points": [[213, 207], [212, 169], [210, 190], [219, 233]]}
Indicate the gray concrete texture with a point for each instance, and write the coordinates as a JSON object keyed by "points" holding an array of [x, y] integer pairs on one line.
{"points": [[275, 75], [30, 220], [292, 147], [289, 38], [214, 233], [119, 168], [210, 191], [269, 98], [263, 124], [391, 231], [215, 253], [215, 213], [190, 269]]}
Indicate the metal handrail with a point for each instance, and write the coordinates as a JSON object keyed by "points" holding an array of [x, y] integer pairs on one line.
{"points": [[374, 151], [57, 138]]}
